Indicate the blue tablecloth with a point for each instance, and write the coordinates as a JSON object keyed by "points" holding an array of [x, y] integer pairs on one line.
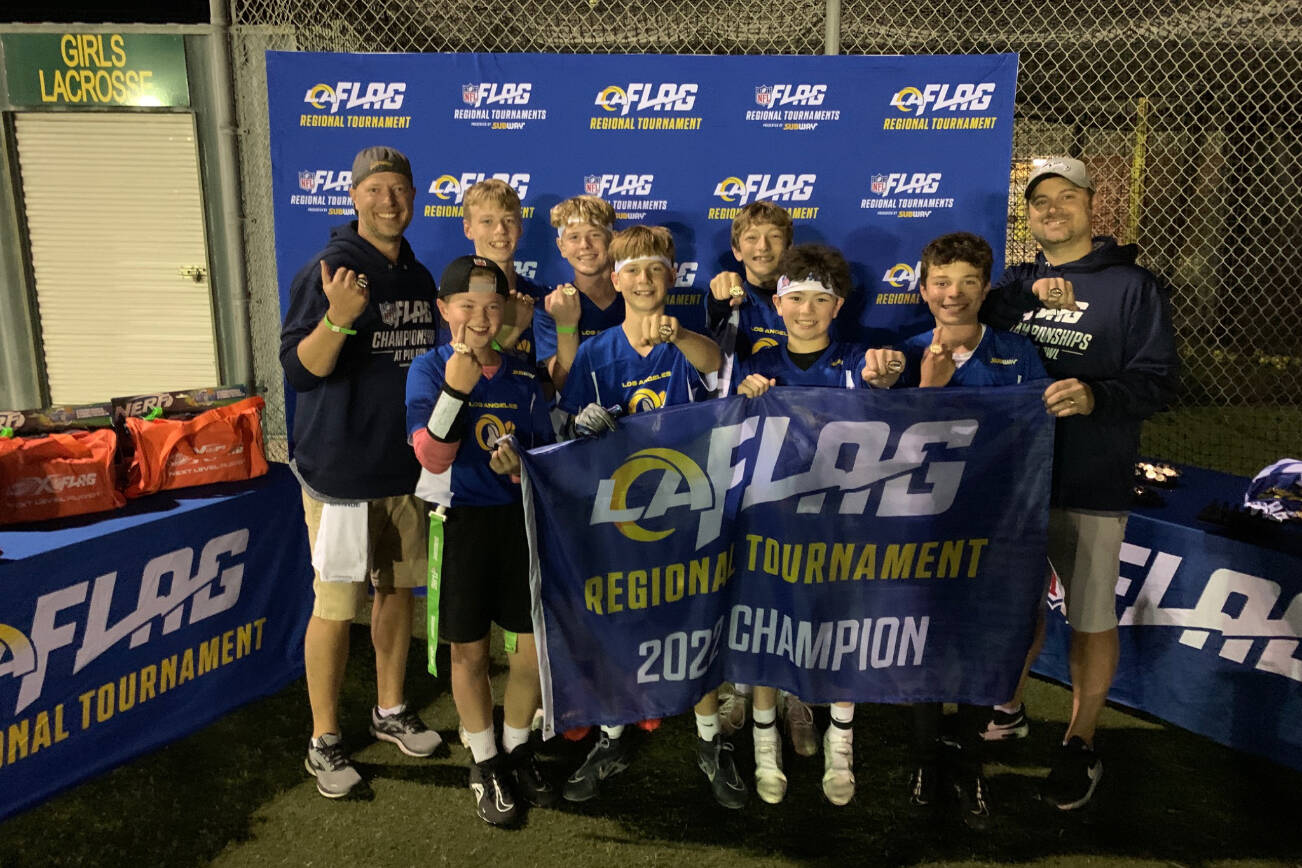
{"points": [[122, 632], [1210, 623]]}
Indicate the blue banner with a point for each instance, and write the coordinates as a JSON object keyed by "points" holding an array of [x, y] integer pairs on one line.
{"points": [[875, 155], [843, 545], [125, 632], [1210, 625]]}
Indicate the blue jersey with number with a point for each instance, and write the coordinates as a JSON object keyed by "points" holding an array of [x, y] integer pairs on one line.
{"points": [[838, 367], [511, 402], [593, 321], [1000, 359], [608, 371]]}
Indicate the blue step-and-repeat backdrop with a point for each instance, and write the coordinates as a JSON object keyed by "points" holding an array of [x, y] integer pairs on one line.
{"points": [[874, 155]]}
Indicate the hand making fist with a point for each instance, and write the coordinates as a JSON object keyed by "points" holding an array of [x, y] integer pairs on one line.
{"points": [[726, 286]]}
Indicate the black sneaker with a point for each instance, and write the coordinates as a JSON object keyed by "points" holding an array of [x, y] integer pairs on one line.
{"points": [[489, 782], [1075, 774], [608, 757], [972, 794], [530, 782], [1005, 725], [924, 784], [715, 759]]}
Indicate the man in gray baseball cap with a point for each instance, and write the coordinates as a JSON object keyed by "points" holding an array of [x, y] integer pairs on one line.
{"points": [[359, 313], [1103, 326]]}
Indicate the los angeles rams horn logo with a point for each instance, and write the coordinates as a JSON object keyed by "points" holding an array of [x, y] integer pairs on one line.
{"points": [[645, 399], [489, 429]]}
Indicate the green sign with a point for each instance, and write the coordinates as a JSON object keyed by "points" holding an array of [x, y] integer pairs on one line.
{"points": [[95, 69]]}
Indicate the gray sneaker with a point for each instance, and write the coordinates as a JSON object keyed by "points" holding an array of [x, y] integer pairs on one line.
{"points": [[407, 731], [328, 763]]}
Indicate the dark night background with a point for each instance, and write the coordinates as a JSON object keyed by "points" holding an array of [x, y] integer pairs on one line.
{"points": [[123, 12]]}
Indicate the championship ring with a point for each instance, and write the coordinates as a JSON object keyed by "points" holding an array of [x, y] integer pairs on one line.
{"points": [[459, 347], [362, 281], [736, 291], [894, 366], [666, 332], [1055, 292], [568, 290], [936, 349]]}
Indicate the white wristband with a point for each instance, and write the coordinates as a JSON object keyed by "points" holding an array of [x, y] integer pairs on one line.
{"points": [[446, 410]]}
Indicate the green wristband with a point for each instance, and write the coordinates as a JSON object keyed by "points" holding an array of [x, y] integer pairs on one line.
{"points": [[567, 330], [325, 318]]}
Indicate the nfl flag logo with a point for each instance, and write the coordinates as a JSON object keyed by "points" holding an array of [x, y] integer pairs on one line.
{"points": [[307, 182], [389, 314], [592, 185], [470, 94], [878, 185], [764, 95]]}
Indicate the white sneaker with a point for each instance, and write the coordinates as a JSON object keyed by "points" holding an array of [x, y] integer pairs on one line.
{"points": [[838, 757], [770, 782]]}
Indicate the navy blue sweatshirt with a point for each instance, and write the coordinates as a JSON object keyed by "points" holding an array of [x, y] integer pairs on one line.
{"points": [[1120, 344], [350, 432]]}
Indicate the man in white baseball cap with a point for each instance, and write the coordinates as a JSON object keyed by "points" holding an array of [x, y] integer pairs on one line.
{"points": [[1103, 327]]}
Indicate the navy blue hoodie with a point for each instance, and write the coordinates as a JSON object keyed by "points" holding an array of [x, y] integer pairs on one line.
{"points": [[350, 433], [1120, 344]]}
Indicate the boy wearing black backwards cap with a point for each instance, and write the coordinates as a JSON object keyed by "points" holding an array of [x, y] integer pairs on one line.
{"points": [[464, 401]]}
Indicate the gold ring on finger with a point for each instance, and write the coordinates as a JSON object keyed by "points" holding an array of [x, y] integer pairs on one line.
{"points": [[568, 290], [666, 332], [362, 281], [736, 292], [936, 349], [1055, 292], [894, 366], [460, 347]]}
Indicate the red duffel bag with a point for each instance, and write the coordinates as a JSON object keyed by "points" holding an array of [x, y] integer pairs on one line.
{"points": [[223, 444], [55, 475]]}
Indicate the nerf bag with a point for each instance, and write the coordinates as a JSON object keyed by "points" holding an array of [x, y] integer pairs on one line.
{"points": [[51, 468], [222, 444]]}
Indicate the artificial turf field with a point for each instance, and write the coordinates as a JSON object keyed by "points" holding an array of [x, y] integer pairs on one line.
{"points": [[236, 794]]}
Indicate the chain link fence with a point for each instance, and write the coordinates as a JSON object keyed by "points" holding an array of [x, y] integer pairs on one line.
{"points": [[1187, 113]]}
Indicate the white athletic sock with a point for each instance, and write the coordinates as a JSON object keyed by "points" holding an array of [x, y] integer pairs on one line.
{"points": [[390, 712], [613, 731], [842, 713], [766, 715], [513, 737], [483, 745], [707, 726]]}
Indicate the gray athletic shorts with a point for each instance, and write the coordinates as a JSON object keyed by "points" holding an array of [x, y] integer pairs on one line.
{"points": [[1085, 550]]}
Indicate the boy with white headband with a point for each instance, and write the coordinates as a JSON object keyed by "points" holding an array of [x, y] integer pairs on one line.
{"points": [[574, 312], [650, 347], [648, 343], [813, 282], [463, 398]]}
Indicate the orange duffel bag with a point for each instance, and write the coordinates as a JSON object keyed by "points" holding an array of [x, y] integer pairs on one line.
{"points": [[223, 444], [55, 475]]}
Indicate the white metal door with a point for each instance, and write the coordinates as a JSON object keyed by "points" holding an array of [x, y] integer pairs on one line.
{"points": [[114, 213]]}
